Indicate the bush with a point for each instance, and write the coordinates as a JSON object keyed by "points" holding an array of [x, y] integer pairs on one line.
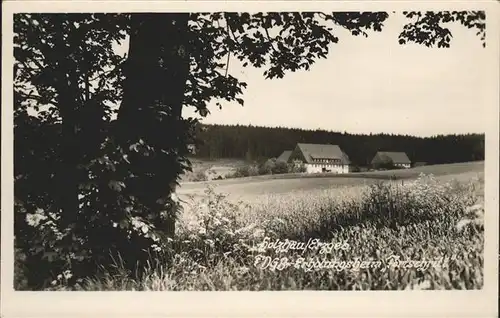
{"points": [[267, 166], [253, 170], [244, 171], [270, 166], [296, 168], [279, 168], [110, 221], [199, 176]]}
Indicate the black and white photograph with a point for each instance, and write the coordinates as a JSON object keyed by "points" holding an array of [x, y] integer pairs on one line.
{"points": [[250, 150]]}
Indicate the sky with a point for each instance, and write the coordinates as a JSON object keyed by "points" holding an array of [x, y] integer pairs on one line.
{"points": [[371, 85]]}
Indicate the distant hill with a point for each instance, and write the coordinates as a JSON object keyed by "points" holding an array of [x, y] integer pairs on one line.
{"points": [[259, 143]]}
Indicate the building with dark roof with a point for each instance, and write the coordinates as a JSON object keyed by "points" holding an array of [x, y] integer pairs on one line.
{"points": [[284, 156], [319, 158], [398, 159]]}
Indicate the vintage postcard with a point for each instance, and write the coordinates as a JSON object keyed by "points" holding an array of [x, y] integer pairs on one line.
{"points": [[253, 158]]}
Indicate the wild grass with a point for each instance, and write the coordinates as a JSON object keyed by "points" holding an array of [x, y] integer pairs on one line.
{"points": [[435, 226]]}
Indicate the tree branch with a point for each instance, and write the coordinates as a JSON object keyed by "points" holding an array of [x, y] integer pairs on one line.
{"points": [[38, 98], [271, 41], [230, 32], [228, 52]]}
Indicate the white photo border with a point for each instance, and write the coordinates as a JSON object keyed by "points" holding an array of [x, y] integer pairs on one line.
{"points": [[267, 303]]}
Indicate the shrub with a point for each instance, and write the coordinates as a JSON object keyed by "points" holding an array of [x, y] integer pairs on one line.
{"points": [[253, 170], [267, 167], [280, 168], [244, 171], [110, 221], [296, 168], [199, 176], [270, 166]]}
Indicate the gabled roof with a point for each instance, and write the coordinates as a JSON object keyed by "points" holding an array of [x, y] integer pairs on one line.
{"points": [[322, 151], [345, 158], [395, 157], [284, 156]]}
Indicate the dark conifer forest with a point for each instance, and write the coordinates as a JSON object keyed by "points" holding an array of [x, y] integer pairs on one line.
{"points": [[256, 143]]}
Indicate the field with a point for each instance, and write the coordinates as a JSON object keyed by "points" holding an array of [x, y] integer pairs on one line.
{"points": [[351, 232], [250, 188]]}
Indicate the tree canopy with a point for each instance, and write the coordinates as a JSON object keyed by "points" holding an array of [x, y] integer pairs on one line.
{"points": [[89, 185]]}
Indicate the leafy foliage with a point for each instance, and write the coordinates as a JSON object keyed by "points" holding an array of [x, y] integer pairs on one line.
{"points": [[276, 41], [429, 28], [89, 186], [67, 76], [270, 166]]}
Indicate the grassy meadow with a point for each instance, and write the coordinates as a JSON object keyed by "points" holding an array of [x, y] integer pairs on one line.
{"points": [[252, 188], [423, 231]]}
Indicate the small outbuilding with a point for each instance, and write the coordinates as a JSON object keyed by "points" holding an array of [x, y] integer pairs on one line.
{"points": [[391, 158], [284, 156]]}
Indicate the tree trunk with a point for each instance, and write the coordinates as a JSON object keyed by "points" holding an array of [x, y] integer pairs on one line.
{"points": [[68, 177], [156, 75]]}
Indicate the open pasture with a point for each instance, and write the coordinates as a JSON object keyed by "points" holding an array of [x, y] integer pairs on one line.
{"points": [[251, 188]]}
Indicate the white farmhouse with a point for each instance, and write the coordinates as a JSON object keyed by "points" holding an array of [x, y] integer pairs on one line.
{"points": [[319, 158]]}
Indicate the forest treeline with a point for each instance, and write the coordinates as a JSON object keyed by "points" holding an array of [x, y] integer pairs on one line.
{"points": [[256, 143]]}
